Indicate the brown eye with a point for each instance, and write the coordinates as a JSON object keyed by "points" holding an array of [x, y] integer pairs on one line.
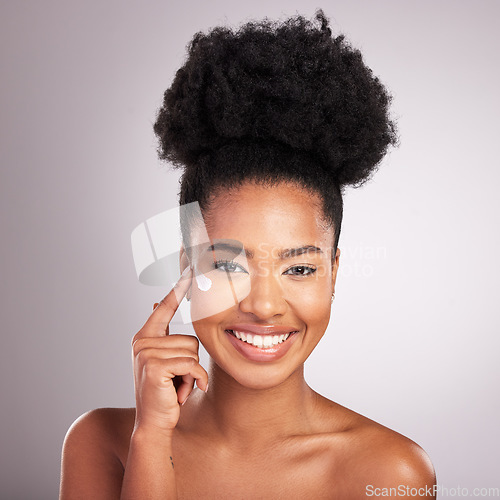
{"points": [[300, 271]]}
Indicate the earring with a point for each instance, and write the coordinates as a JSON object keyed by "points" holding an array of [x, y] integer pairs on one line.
{"points": [[333, 296]]}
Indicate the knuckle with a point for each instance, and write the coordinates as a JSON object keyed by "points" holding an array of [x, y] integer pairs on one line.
{"points": [[195, 357], [188, 354], [191, 361], [137, 346], [136, 337], [141, 344], [144, 357], [194, 341], [152, 367], [165, 302]]}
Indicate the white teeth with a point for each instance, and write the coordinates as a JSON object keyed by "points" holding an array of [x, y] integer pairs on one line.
{"points": [[262, 341], [267, 341], [257, 341]]}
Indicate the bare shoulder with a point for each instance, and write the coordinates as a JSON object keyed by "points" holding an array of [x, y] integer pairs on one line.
{"points": [[108, 429], [374, 460], [94, 453], [390, 462]]}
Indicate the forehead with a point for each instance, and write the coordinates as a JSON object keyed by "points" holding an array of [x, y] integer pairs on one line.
{"points": [[279, 216]]}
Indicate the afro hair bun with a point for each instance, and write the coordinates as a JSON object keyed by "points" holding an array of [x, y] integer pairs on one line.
{"points": [[286, 83]]}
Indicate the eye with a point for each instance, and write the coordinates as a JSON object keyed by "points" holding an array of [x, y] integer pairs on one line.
{"points": [[300, 271], [229, 266]]}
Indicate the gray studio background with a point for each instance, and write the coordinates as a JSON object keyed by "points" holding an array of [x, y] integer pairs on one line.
{"points": [[414, 337]]}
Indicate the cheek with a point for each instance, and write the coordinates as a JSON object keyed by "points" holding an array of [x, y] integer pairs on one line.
{"points": [[215, 292], [311, 301], [315, 289], [206, 304], [206, 330], [313, 306]]}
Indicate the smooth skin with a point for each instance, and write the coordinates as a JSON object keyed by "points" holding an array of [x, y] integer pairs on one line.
{"points": [[259, 431]]}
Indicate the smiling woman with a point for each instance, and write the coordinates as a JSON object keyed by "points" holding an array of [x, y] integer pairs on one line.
{"points": [[289, 276], [269, 123]]}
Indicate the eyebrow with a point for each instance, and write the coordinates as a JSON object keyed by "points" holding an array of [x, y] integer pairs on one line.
{"points": [[293, 252], [285, 253]]}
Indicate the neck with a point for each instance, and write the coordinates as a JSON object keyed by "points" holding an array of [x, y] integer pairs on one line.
{"points": [[249, 417]]}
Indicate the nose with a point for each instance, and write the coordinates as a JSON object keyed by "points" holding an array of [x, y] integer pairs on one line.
{"points": [[266, 298]]}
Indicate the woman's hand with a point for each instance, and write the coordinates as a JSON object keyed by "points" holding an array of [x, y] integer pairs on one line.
{"points": [[159, 357]]}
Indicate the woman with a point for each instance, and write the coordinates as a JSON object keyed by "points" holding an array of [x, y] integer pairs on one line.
{"points": [[269, 123]]}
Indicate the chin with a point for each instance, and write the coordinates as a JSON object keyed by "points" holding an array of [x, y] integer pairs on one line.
{"points": [[258, 377]]}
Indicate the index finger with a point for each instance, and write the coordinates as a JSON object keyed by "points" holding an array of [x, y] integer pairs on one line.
{"points": [[157, 324]]}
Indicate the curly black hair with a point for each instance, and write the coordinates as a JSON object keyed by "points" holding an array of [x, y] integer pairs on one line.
{"points": [[272, 102]]}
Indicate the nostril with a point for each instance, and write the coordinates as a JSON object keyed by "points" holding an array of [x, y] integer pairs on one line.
{"points": [[263, 306]]}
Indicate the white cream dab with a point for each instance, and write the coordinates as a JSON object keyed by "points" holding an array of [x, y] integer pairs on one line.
{"points": [[204, 283]]}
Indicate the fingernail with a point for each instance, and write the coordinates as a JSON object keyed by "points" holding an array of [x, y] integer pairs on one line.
{"points": [[186, 271], [182, 404], [206, 388]]}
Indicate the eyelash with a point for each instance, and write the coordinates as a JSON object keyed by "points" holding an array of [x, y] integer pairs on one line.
{"points": [[219, 263], [310, 270]]}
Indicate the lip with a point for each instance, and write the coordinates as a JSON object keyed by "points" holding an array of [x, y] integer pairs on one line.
{"points": [[262, 329], [252, 353]]}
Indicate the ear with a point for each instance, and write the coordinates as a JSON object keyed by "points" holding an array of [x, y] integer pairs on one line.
{"points": [[335, 268], [183, 264]]}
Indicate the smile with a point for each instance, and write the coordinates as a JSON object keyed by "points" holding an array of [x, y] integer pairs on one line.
{"points": [[261, 341]]}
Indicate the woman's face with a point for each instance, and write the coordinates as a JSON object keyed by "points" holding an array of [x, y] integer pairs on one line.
{"points": [[266, 276]]}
